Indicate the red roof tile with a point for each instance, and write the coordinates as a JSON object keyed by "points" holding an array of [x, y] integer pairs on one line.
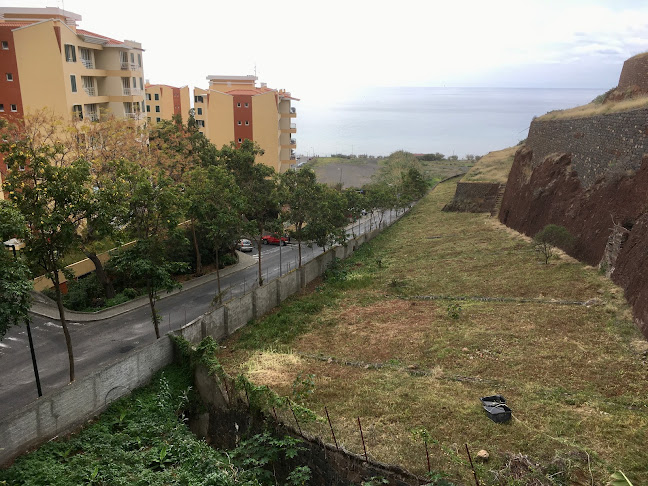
{"points": [[251, 92], [92, 34]]}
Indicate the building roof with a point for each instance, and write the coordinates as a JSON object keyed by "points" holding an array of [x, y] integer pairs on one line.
{"points": [[249, 92], [13, 24], [248, 77], [107, 40]]}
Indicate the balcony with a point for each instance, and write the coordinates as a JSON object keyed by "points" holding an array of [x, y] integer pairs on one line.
{"points": [[293, 110], [135, 116], [90, 91], [92, 116], [132, 92], [88, 63], [293, 126], [129, 66]]}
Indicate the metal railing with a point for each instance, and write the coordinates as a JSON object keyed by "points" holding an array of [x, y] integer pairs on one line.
{"points": [[293, 126], [132, 91], [91, 91], [87, 63], [135, 116], [129, 66], [92, 116]]}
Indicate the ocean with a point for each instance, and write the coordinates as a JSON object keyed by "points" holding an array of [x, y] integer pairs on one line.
{"points": [[453, 121]]}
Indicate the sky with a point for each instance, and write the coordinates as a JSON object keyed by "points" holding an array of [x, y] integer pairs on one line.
{"points": [[332, 48]]}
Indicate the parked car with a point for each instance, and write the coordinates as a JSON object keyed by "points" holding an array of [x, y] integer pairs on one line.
{"points": [[244, 245], [274, 240]]}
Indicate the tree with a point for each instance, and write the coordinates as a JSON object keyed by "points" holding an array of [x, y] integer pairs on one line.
{"points": [[155, 207], [551, 237], [356, 205], [380, 197], [258, 183], [15, 283], [51, 198], [326, 225], [214, 204], [300, 194], [413, 186]]}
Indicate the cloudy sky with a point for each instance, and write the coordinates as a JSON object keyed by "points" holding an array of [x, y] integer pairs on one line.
{"points": [[332, 47]]}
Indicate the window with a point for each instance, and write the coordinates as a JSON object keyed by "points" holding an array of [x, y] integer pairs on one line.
{"points": [[148, 118], [198, 99], [134, 82], [14, 108], [238, 105], [77, 110], [132, 58], [73, 83], [148, 108], [1, 107], [200, 123], [5, 45], [139, 60], [157, 108], [247, 104], [70, 53], [148, 96], [200, 111], [158, 119], [157, 97], [9, 77], [240, 140], [239, 122], [247, 123], [141, 83]]}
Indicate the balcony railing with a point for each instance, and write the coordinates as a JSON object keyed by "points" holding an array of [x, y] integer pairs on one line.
{"points": [[132, 91], [293, 126], [92, 116], [87, 63], [91, 91], [135, 116], [293, 141], [129, 66]]}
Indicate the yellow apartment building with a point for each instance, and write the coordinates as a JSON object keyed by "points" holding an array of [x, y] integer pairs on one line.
{"points": [[163, 102], [233, 108], [47, 62]]}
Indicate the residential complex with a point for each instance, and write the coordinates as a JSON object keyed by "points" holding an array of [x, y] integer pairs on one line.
{"points": [[49, 63], [163, 102], [233, 108]]}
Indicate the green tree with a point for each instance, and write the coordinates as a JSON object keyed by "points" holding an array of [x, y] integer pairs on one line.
{"points": [[356, 205], [413, 186], [51, 198], [214, 205], [155, 208], [15, 283], [300, 193], [258, 183], [380, 198], [551, 237], [326, 225]]}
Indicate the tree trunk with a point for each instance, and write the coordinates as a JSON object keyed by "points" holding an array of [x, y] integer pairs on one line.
{"points": [[154, 316], [196, 250], [66, 332], [106, 283], [299, 247]]}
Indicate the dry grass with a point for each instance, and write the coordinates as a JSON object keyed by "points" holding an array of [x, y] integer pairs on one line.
{"points": [[574, 375], [593, 109], [492, 167]]}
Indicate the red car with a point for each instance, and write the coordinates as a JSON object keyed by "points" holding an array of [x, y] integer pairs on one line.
{"points": [[273, 240]]}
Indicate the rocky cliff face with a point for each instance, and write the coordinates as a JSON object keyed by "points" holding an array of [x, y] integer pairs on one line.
{"points": [[605, 208]]}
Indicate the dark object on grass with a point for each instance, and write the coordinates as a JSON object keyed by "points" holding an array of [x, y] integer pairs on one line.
{"points": [[496, 408]]}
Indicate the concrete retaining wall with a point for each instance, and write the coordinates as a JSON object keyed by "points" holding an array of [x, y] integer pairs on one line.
{"points": [[69, 408]]}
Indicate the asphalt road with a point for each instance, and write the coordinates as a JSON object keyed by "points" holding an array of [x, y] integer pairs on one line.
{"points": [[98, 343]]}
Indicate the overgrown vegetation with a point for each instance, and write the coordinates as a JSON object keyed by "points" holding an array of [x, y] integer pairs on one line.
{"points": [[550, 238], [380, 347], [144, 439]]}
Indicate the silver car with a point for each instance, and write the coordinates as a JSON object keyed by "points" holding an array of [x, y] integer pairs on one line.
{"points": [[244, 245]]}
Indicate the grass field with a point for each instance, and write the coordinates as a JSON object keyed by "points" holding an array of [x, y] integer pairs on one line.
{"points": [[593, 109], [492, 167], [366, 345]]}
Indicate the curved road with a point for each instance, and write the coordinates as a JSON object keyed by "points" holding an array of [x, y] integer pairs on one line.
{"points": [[99, 342]]}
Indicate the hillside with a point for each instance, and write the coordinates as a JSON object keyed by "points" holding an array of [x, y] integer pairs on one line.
{"points": [[444, 308], [492, 167]]}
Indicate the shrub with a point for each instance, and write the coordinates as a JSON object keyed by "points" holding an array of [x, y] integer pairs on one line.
{"points": [[551, 237]]}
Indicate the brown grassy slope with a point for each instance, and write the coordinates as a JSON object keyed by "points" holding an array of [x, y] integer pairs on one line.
{"points": [[492, 167], [574, 375]]}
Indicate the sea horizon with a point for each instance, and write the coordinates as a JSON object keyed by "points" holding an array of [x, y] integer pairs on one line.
{"points": [[449, 120]]}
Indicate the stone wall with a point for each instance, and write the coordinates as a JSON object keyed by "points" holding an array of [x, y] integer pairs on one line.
{"points": [[635, 73], [591, 176], [474, 197], [601, 145]]}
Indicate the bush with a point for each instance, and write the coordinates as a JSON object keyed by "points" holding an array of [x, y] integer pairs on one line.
{"points": [[550, 237]]}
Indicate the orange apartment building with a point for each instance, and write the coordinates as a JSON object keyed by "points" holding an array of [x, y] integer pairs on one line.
{"points": [[233, 108], [163, 102], [48, 62]]}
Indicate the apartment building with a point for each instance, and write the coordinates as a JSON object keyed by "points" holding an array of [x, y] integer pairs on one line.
{"points": [[233, 108], [164, 101], [47, 62]]}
